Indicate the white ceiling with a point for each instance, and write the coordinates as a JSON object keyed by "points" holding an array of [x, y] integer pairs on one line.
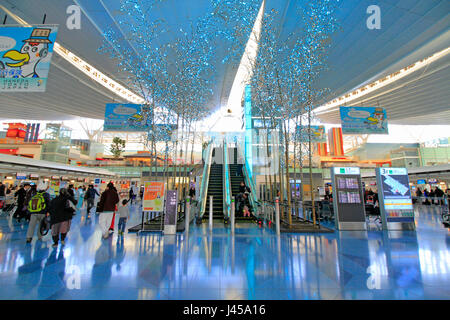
{"points": [[411, 30]]}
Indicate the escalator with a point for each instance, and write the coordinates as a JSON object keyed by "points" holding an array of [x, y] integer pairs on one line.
{"points": [[236, 177], [215, 189]]}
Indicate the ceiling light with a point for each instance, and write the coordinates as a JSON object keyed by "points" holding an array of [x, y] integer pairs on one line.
{"points": [[380, 83]]}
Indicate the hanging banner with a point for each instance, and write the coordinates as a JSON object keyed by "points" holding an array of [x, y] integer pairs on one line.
{"points": [[363, 120], [153, 197], [126, 117], [317, 133], [25, 57]]}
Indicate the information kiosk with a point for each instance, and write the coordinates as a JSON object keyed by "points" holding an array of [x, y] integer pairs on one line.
{"points": [[394, 195], [348, 199]]}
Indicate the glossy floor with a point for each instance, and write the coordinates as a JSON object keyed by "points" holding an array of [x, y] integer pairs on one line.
{"points": [[254, 264]]}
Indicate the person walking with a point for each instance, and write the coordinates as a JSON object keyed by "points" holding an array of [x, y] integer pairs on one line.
{"points": [[192, 192], [21, 195], [107, 205], [131, 195], [124, 215], [39, 208], [2, 196], [80, 197], [30, 194], [90, 197], [61, 214]]}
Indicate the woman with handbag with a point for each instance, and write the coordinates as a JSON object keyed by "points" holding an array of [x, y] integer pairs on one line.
{"points": [[61, 213]]}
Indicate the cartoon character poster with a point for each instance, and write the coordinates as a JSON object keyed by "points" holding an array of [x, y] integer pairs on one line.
{"points": [[25, 57], [126, 117], [317, 133], [154, 193], [363, 120]]}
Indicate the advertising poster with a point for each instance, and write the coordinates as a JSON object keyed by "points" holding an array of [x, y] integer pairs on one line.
{"points": [[317, 133], [397, 195], [126, 117], [25, 57], [53, 189], [153, 197], [363, 120]]}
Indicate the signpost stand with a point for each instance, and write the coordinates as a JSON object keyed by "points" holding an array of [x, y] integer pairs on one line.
{"points": [[394, 195], [170, 217], [210, 213], [187, 215], [348, 199], [232, 215], [277, 215]]}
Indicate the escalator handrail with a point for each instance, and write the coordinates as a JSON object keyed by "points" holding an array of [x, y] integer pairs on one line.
{"points": [[226, 182], [249, 182], [205, 178]]}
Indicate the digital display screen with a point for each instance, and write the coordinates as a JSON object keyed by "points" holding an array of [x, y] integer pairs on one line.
{"points": [[343, 197], [351, 183], [349, 197], [347, 183], [354, 197], [341, 183]]}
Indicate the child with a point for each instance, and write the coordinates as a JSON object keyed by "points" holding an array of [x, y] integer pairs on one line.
{"points": [[123, 215], [246, 211]]}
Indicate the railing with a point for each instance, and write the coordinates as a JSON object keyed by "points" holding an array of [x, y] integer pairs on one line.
{"points": [[249, 182], [226, 182], [205, 178]]}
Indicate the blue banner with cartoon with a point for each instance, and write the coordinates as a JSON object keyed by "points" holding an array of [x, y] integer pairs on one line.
{"points": [[363, 120], [126, 117], [318, 133], [25, 57]]}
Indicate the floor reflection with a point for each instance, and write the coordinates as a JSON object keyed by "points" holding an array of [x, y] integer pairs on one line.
{"points": [[251, 264]]}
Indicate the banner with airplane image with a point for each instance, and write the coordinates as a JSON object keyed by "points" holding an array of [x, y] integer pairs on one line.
{"points": [[318, 133], [25, 57], [363, 120]]}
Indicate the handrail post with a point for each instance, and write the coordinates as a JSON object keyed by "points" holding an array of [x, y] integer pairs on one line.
{"points": [[277, 215], [233, 208], [187, 215], [210, 213]]}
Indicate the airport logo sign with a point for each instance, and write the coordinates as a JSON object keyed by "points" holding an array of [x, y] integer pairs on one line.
{"points": [[25, 57]]}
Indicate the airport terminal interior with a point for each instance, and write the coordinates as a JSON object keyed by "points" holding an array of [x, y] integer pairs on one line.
{"points": [[224, 150]]}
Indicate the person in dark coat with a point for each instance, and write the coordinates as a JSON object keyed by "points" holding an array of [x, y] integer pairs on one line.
{"points": [[61, 214], [107, 206], [21, 195]]}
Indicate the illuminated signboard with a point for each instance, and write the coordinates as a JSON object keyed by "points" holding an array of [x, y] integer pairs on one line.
{"points": [[395, 195], [21, 176]]}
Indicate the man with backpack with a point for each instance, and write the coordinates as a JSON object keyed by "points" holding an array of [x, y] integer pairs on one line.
{"points": [[38, 207], [90, 197]]}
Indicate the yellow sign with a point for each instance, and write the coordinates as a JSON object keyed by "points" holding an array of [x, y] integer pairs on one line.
{"points": [[153, 196]]}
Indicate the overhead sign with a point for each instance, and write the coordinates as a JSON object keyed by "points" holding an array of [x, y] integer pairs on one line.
{"points": [[21, 176], [363, 120], [395, 193], [126, 117], [346, 170], [153, 197], [25, 57], [318, 133], [421, 181]]}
